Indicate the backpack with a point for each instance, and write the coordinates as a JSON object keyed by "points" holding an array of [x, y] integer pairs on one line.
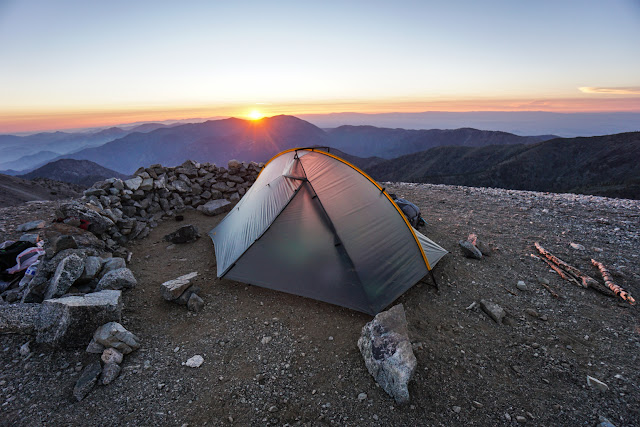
{"points": [[411, 211]]}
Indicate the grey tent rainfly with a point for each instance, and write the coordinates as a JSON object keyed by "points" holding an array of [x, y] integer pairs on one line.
{"points": [[315, 225]]}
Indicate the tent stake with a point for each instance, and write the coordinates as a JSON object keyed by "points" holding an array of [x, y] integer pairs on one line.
{"points": [[433, 277]]}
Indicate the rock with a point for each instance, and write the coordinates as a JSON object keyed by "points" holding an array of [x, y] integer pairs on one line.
{"points": [[92, 266], [577, 246], [457, 409], [134, 183], [185, 234], [386, 349], [64, 242], [110, 372], [520, 419], [221, 187], [194, 362], [31, 225], [113, 334], [362, 396], [172, 289], [184, 298], [87, 380], [596, 383], [604, 422], [19, 318], [94, 347], [521, 285], [484, 248], [531, 312], [477, 404], [216, 207], [97, 223], [180, 186], [195, 303], [67, 272], [70, 321], [234, 164], [24, 349], [469, 250], [493, 310], [266, 340], [111, 355], [113, 264], [147, 184], [121, 278], [31, 238]]}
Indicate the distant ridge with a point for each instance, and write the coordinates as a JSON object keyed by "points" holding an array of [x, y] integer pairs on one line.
{"points": [[80, 172], [390, 143], [601, 165], [218, 141]]}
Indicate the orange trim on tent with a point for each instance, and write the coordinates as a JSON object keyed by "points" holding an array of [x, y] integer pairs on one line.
{"points": [[424, 257]]}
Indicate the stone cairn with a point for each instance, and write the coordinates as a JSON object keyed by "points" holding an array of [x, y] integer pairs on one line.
{"points": [[133, 207]]}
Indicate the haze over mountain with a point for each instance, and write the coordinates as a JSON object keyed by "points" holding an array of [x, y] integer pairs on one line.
{"points": [[219, 141], [390, 143], [80, 172], [15, 147], [603, 165], [517, 122]]}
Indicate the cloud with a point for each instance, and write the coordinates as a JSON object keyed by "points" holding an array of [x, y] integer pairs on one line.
{"points": [[630, 90]]}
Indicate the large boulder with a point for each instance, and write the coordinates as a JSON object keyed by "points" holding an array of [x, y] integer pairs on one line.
{"points": [[386, 349], [68, 271], [71, 320], [216, 207], [19, 318], [121, 278]]}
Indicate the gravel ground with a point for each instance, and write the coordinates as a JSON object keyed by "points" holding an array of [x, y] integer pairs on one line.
{"points": [[275, 359]]}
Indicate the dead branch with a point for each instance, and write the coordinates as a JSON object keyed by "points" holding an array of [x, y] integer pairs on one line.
{"points": [[608, 281], [508, 290], [559, 271], [586, 280]]}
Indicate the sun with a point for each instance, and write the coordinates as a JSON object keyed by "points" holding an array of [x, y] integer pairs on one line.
{"points": [[255, 115]]}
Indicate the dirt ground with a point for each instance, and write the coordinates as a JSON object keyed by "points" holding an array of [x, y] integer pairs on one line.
{"points": [[471, 371]]}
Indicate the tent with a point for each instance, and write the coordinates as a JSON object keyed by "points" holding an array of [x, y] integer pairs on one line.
{"points": [[317, 226]]}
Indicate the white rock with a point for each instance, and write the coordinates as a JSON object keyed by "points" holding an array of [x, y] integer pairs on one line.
{"points": [[195, 361], [266, 340], [596, 383]]}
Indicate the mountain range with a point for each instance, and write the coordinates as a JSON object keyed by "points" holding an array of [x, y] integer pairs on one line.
{"points": [[20, 153], [602, 165], [219, 141], [518, 122], [81, 172]]}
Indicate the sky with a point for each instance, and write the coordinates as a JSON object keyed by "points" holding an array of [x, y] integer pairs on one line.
{"points": [[67, 64]]}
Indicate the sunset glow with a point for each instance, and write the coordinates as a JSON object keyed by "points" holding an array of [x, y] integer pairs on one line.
{"points": [[255, 115], [174, 61]]}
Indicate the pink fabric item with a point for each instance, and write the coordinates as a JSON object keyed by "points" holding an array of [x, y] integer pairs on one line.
{"points": [[25, 259]]}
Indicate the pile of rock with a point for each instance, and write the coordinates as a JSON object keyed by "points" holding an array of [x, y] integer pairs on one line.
{"points": [[112, 341], [131, 208], [181, 291]]}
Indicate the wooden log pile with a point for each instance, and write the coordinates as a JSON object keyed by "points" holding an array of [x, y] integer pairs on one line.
{"points": [[570, 273]]}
